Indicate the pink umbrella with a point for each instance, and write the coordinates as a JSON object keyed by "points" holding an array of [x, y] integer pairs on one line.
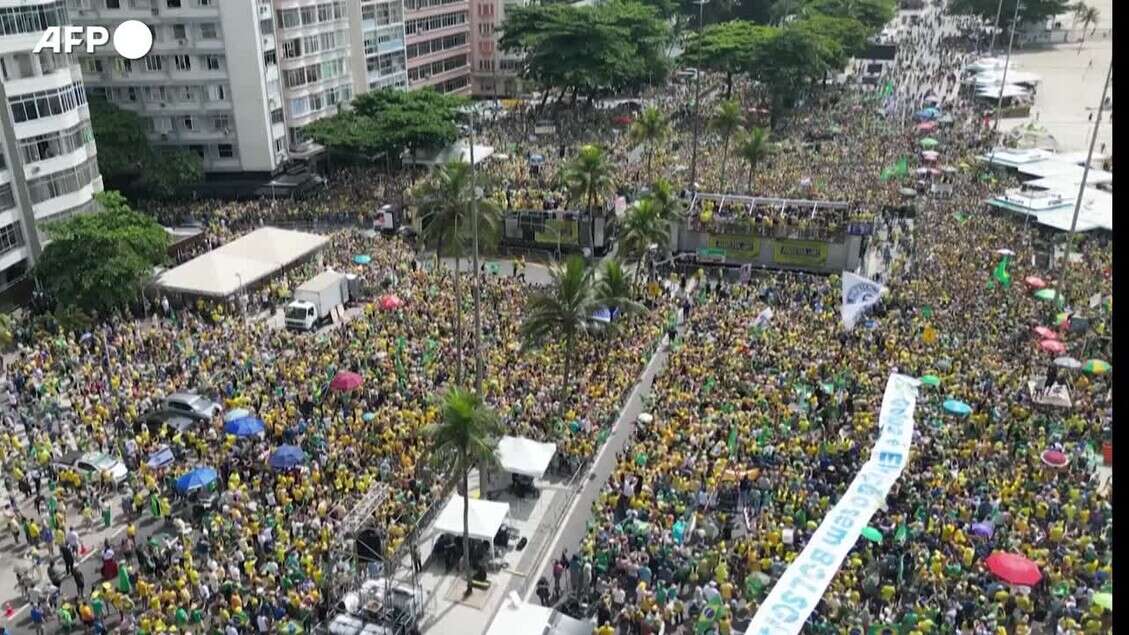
{"points": [[346, 381], [1045, 333], [1013, 568], [390, 302], [1055, 458], [927, 126], [1035, 282], [1052, 346]]}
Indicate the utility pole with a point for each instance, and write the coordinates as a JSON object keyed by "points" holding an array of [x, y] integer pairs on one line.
{"points": [[1082, 187], [697, 99], [996, 27], [1003, 84], [477, 277]]}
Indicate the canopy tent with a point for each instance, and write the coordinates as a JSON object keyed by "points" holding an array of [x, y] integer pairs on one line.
{"points": [[532, 619], [458, 151], [485, 517], [1013, 77], [992, 91], [241, 263], [525, 456]]}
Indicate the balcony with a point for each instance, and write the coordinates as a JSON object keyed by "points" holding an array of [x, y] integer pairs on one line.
{"points": [[57, 164]]}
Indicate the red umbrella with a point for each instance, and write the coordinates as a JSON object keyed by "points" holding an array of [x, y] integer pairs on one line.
{"points": [[390, 302], [1052, 346], [1055, 458], [1035, 282], [1013, 568], [926, 126], [346, 381], [1045, 333]]}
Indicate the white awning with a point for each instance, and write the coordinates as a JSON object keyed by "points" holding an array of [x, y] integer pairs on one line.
{"points": [[524, 618], [485, 517], [459, 151], [241, 263], [525, 456]]}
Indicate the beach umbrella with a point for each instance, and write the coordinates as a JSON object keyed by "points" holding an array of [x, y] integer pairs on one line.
{"points": [[1046, 295], [872, 534], [362, 259], [1045, 333], [927, 126], [368, 416], [196, 479], [1055, 458], [287, 457], [907, 191], [1096, 367], [244, 427], [1068, 362], [957, 407], [238, 413], [929, 143], [1104, 600], [1052, 346], [984, 530], [1013, 568], [1005, 252], [931, 380], [390, 302], [930, 155], [1035, 282], [346, 381]]}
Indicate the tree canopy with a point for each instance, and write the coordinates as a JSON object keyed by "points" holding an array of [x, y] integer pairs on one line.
{"points": [[388, 121], [98, 261], [611, 46], [125, 154], [1032, 10], [730, 48]]}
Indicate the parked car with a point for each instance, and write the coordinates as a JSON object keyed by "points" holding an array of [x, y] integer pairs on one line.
{"points": [[191, 405], [92, 464], [172, 418]]}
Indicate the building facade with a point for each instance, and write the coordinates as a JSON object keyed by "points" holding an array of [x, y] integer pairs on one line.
{"points": [[494, 73], [48, 160], [438, 44], [236, 81]]}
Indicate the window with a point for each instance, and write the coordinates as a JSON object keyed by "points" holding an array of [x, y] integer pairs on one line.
{"points": [[221, 123], [188, 93], [217, 92], [62, 182], [154, 63], [32, 19], [188, 123], [212, 62], [208, 31], [113, 4], [270, 58], [290, 18], [225, 150], [292, 48], [32, 106], [179, 32], [6, 198], [276, 116], [172, 4], [54, 144], [10, 235], [183, 62], [198, 150], [162, 124]]}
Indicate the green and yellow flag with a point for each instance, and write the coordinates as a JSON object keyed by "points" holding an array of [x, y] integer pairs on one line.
{"points": [[1000, 275]]}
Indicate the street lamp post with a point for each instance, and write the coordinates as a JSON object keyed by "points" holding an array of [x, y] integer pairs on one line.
{"points": [[1003, 84], [478, 371], [996, 27], [1082, 185], [697, 98]]}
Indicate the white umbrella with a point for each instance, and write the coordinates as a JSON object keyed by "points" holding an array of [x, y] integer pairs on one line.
{"points": [[1068, 362], [1005, 252]]}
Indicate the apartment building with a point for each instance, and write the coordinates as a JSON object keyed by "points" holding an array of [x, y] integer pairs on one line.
{"points": [[48, 162], [438, 44], [494, 73], [236, 81]]}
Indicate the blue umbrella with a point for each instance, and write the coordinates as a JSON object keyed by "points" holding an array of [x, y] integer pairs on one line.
{"points": [[238, 413], [287, 457], [245, 427], [197, 478], [362, 259], [956, 407]]}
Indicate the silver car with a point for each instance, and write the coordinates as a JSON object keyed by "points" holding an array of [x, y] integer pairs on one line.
{"points": [[192, 405]]}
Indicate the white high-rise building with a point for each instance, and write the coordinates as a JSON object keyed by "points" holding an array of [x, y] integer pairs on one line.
{"points": [[236, 81], [48, 163]]}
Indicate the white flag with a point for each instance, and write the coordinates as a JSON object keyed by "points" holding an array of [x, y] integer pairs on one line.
{"points": [[763, 318], [859, 294]]}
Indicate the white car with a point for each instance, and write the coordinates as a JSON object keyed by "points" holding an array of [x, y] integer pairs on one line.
{"points": [[92, 464]]}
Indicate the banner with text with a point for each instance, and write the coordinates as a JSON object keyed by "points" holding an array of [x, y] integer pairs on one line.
{"points": [[797, 592], [804, 253]]}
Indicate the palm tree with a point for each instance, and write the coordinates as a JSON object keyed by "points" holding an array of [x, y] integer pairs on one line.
{"points": [[650, 128], [466, 436], [726, 121], [446, 200], [642, 227], [1088, 16], [753, 147], [613, 290], [561, 311], [588, 176], [670, 206]]}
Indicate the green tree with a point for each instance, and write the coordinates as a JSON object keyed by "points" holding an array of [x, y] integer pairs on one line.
{"points": [[120, 137], [642, 227], [785, 64], [1088, 16], [725, 122], [589, 176], [444, 200], [874, 14], [669, 205], [753, 147], [651, 128], [98, 261], [614, 292], [168, 173], [729, 48], [466, 436], [1032, 10], [71, 319], [839, 38], [561, 312]]}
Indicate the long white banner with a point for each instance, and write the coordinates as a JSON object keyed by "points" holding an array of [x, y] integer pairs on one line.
{"points": [[797, 592]]}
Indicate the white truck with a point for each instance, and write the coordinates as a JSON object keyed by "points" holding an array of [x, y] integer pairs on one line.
{"points": [[315, 300]]}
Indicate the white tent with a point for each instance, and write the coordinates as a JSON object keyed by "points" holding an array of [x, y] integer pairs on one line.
{"points": [[241, 263], [485, 517], [993, 90], [525, 456], [459, 151], [524, 618]]}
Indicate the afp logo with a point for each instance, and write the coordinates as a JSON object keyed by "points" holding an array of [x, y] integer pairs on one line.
{"points": [[132, 39]]}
